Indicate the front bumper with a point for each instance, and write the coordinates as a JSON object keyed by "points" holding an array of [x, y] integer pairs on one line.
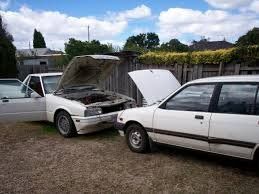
{"points": [[119, 127], [94, 123]]}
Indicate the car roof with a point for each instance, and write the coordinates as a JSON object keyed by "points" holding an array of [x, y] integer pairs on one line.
{"points": [[45, 74], [232, 78]]}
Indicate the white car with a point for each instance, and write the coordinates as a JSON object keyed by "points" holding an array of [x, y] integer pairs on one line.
{"points": [[218, 114], [74, 101]]}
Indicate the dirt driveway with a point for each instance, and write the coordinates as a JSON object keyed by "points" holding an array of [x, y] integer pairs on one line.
{"points": [[34, 158]]}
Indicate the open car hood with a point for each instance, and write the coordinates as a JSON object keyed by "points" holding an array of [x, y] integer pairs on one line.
{"points": [[87, 70], [154, 84]]}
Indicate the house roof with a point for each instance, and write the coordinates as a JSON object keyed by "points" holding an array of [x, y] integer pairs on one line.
{"points": [[36, 52], [210, 45]]}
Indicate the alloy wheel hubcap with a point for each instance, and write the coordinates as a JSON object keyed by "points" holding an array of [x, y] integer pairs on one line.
{"points": [[135, 139], [63, 124]]}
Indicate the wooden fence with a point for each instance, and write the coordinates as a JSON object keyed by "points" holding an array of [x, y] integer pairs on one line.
{"points": [[120, 82]]}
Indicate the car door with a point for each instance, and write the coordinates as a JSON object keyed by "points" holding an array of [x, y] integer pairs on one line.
{"points": [[20, 103], [183, 120], [234, 123]]}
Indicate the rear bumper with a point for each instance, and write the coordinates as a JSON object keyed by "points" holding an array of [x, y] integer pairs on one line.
{"points": [[94, 123]]}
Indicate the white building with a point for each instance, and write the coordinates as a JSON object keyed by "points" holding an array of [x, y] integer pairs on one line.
{"points": [[40, 60]]}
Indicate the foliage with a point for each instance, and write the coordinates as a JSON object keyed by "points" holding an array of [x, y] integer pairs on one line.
{"points": [[77, 47], [202, 57], [7, 53], [174, 45], [152, 40], [142, 42], [250, 38], [38, 40], [61, 61], [247, 54], [163, 58]]}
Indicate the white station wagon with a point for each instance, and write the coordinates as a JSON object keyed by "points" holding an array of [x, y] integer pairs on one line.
{"points": [[74, 100], [217, 114]]}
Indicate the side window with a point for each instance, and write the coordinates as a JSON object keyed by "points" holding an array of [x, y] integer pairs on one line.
{"points": [[257, 104], [192, 98], [237, 99], [36, 85], [13, 89]]}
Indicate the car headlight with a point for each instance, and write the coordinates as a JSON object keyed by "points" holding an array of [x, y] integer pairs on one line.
{"points": [[92, 111], [130, 104]]}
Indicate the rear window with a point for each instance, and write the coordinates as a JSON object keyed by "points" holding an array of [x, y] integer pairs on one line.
{"points": [[237, 99]]}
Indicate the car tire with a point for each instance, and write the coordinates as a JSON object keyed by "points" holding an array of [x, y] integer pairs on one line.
{"points": [[256, 165], [65, 124], [137, 138]]}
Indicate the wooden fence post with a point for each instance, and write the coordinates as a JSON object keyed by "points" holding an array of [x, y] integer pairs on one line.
{"points": [[180, 73], [200, 70], [195, 72], [237, 69], [221, 66]]}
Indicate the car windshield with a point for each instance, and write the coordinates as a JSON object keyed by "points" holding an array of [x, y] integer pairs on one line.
{"points": [[50, 83]]}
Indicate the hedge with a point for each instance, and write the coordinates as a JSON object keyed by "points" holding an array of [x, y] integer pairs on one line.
{"points": [[239, 54]]}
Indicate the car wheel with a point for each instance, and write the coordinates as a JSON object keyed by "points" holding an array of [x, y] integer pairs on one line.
{"points": [[137, 138], [65, 124], [256, 165]]}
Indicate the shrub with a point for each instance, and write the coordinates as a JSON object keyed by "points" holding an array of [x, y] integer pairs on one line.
{"points": [[202, 57]]}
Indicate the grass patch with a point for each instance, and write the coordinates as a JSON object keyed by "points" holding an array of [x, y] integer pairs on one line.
{"points": [[48, 127], [110, 133]]}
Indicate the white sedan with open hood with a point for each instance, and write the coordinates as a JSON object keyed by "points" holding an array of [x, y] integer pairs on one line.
{"points": [[75, 100], [217, 114]]}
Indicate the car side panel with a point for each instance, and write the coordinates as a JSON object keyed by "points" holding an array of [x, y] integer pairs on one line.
{"points": [[23, 109], [181, 128], [143, 116], [53, 103], [235, 135]]}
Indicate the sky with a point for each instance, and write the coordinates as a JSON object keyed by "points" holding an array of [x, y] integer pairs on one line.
{"points": [[113, 21]]}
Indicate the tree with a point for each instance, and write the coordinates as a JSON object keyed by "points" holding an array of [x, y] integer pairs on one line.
{"points": [[142, 41], [7, 53], [38, 40], [152, 40], [174, 45], [250, 38], [77, 47]]}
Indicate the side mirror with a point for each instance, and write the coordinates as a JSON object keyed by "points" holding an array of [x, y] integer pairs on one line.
{"points": [[35, 95]]}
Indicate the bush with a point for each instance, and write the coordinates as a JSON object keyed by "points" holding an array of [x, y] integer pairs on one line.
{"points": [[202, 57]]}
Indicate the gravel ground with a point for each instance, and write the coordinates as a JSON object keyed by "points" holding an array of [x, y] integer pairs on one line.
{"points": [[34, 158]]}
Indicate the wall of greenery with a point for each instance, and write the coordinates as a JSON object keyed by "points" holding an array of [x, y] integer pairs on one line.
{"points": [[238, 54]]}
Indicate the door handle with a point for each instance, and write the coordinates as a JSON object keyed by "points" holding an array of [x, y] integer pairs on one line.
{"points": [[201, 117], [5, 100]]}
